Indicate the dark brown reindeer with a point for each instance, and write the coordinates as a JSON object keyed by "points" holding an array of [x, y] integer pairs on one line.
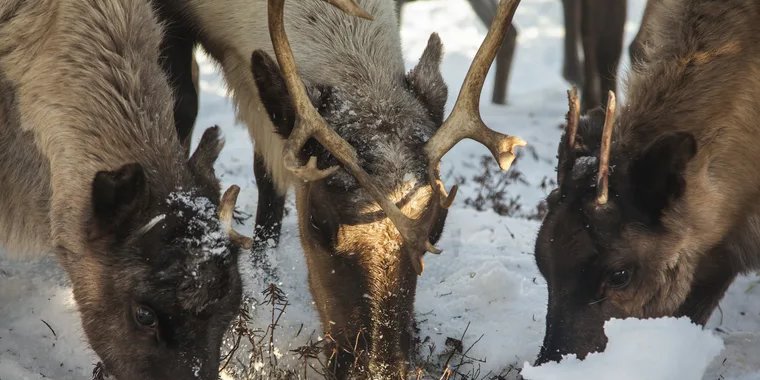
{"points": [[91, 169], [668, 219], [370, 201]]}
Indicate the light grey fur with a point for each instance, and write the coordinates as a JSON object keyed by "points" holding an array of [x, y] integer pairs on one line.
{"points": [[89, 156], [330, 49], [24, 183], [88, 100]]}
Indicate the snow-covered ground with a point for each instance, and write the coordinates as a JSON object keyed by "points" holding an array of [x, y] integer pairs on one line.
{"points": [[486, 278], [652, 349]]}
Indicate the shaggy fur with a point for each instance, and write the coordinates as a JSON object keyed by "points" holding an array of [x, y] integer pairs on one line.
{"points": [[684, 187], [362, 281], [24, 204], [92, 158], [231, 29]]}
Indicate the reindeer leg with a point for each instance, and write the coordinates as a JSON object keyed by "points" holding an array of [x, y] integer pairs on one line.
{"points": [[486, 10], [591, 95], [177, 62], [571, 69], [610, 45], [269, 210], [504, 66]]}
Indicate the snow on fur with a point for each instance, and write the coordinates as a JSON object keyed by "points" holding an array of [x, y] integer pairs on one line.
{"points": [[214, 239]]}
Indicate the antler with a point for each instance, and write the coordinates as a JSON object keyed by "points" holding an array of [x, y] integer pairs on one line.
{"points": [[350, 7], [226, 209], [573, 116], [604, 152], [464, 120], [310, 124]]}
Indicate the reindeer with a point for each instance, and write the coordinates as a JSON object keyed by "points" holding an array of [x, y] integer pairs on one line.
{"points": [[657, 216], [229, 30], [370, 199], [92, 169]]}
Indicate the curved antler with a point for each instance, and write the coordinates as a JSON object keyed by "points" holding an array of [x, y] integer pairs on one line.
{"points": [[309, 123], [350, 7], [602, 180], [226, 209], [464, 120]]}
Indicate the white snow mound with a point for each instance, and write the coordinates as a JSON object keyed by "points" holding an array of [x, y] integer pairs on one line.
{"points": [[652, 349]]}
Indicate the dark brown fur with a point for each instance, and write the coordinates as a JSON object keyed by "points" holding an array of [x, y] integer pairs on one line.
{"points": [[598, 25], [681, 222]]}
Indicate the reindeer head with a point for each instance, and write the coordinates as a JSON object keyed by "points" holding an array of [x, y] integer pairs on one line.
{"points": [[606, 247], [159, 283], [372, 202]]}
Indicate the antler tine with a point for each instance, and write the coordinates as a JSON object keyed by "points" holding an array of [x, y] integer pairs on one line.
{"points": [[464, 120], [310, 124], [573, 116], [604, 152], [350, 7], [226, 209]]}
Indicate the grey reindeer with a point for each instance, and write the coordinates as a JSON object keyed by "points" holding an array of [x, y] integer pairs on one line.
{"points": [[370, 200], [92, 170]]}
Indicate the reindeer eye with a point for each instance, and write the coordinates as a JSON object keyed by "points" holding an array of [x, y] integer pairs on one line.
{"points": [[145, 317], [619, 279]]}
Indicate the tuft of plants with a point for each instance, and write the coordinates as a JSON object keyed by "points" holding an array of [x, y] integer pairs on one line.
{"points": [[492, 190], [249, 353]]}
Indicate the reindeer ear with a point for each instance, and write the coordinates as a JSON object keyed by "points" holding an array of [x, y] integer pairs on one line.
{"points": [[657, 175], [426, 80], [117, 197], [273, 92], [202, 161]]}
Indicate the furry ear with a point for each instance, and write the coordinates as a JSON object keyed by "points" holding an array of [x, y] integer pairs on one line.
{"points": [[273, 92], [117, 197], [202, 161], [657, 175], [426, 80]]}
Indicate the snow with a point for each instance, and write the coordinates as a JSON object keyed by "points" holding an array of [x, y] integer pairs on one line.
{"points": [[214, 239], [484, 289], [653, 349]]}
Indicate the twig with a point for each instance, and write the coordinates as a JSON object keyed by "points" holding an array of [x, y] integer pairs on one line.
{"points": [[51, 329]]}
